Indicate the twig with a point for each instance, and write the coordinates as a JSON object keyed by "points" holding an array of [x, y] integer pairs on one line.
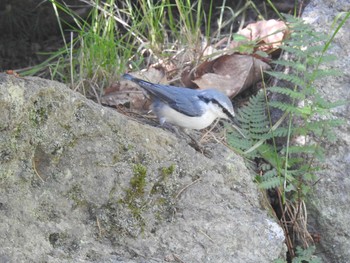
{"points": [[99, 227], [177, 259], [36, 172], [183, 189]]}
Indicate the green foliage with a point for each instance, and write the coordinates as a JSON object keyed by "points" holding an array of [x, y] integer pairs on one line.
{"points": [[128, 35], [254, 125], [97, 51], [292, 165], [290, 150], [306, 255], [303, 256], [117, 35]]}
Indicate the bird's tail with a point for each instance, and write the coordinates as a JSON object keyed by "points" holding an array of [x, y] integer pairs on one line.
{"points": [[128, 77], [143, 83]]}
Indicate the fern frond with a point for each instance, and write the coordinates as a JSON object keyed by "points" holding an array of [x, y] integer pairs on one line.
{"points": [[312, 126], [293, 64], [313, 49], [291, 93], [330, 135], [286, 107], [305, 149], [256, 131], [268, 153], [321, 73], [320, 60], [291, 168], [333, 122], [270, 180], [279, 132], [322, 103], [247, 111], [253, 124], [294, 50], [320, 154], [238, 143], [288, 77], [294, 162]]}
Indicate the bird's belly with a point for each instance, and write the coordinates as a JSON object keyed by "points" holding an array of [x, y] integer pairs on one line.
{"points": [[167, 114]]}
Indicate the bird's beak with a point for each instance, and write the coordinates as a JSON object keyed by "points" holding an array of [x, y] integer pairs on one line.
{"points": [[236, 125], [234, 121]]}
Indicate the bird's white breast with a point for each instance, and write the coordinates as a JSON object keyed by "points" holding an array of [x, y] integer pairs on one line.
{"points": [[169, 115]]}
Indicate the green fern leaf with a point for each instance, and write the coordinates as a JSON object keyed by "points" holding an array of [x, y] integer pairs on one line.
{"points": [[280, 132], [310, 50], [271, 183], [295, 65], [291, 93], [288, 77], [294, 50], [325, 73], [305, 149], [286, 107], [320, 60]]}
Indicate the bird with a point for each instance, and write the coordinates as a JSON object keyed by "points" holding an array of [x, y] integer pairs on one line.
{"points": [[185, 107]]}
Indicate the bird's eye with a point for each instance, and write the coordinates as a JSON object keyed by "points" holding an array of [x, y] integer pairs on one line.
{"points": [[224, 109]]}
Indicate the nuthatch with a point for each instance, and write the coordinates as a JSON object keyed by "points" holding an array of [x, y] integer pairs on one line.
{"points": [[184, 107]]}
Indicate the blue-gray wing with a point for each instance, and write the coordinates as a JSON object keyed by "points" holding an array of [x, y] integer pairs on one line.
{"points": [[183, 100]]}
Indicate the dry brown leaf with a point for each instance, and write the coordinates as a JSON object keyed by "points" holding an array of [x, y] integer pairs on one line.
{"points": [[268, 33], [130, 95], [12, 72], [230, 73], [125, 95]]}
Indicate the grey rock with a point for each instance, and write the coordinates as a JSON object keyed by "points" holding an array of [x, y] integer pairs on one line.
{"points": [[329, 211], [83, 183]]}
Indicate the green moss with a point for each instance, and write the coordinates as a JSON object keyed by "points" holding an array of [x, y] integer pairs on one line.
{"points": [[126, 147], [73, 142], [67, 127], [138, 181], [134, 197], [76, 194], [17, 132], [38, 115], [162, 201], [138, 199], [166, 171], [115, 158]]}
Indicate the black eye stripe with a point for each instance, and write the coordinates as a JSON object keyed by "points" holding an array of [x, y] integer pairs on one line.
{"points": [[207, 100], [224, 110]]}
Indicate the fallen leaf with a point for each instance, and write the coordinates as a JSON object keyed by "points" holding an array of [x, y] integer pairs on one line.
{"points": [[130, 95], [269, 35], [230, 74], [126, 95], [12, 72]]}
